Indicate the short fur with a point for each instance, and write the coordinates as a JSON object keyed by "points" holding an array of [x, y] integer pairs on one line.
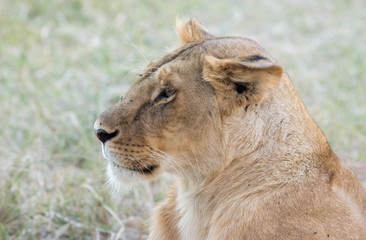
{"points": [[223, 117]]}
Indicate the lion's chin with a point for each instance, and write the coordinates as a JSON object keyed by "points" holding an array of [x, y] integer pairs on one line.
{"points": [[121, 181]]}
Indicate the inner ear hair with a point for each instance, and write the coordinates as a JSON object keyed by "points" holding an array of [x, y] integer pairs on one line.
{"points": [[241, 87]]}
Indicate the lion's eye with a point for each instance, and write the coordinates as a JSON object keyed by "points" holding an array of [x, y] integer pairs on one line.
{"points": [[165, 95]]}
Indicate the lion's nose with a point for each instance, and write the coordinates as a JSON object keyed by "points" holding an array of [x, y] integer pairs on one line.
{"points": [[103, 132], [104, 136]]}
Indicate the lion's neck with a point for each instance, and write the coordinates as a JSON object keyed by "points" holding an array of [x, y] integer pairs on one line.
{"points": [[279, 128]]}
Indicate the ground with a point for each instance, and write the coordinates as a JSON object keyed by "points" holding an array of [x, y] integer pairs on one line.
{"points": [[63, 62]]}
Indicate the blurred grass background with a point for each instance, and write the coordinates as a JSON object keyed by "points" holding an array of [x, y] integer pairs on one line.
{"points": [[63, 62]]}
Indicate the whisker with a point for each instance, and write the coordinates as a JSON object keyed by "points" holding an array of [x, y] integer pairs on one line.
{"points": [[137, 48]]}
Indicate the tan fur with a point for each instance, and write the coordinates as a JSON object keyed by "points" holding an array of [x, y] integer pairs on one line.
{"points": [[191, 31], [249, 160]]}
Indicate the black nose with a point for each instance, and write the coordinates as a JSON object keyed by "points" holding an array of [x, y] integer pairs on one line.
{"points": [[103, 136]]}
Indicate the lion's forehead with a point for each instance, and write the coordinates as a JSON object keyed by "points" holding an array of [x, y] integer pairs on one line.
{"points": [[222, 47], [155, 65]]}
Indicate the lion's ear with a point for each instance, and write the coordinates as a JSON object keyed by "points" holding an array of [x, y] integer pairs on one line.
{"points": [[241, 81], [191, 31]]}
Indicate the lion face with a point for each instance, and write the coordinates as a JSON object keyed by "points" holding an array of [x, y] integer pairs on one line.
{"points": [[167, 110], [173, 118]]}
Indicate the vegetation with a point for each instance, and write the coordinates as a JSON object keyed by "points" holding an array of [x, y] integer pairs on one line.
{"points": [[63, 62]]}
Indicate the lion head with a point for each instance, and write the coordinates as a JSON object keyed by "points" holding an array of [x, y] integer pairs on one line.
{"points": [[179, 116]]}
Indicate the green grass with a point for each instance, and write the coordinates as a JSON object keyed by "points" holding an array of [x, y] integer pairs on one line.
{"points": [[63, 62]]}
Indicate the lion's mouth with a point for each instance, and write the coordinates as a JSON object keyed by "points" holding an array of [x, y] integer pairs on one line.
{"points": [[145, 170]]}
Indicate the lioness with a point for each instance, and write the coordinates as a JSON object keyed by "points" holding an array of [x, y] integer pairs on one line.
{"points": [[223, 117]]}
